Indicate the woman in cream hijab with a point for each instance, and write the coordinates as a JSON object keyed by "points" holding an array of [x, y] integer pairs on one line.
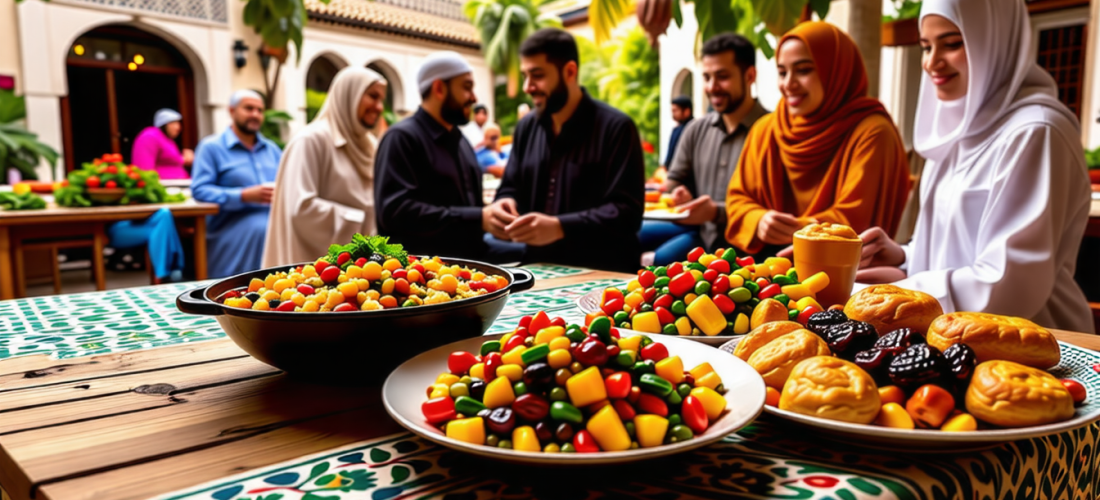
{"points": [[1004, 197], [324, 192]]}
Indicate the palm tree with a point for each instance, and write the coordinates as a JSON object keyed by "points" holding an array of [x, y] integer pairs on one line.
{"points": [[503, 25]]}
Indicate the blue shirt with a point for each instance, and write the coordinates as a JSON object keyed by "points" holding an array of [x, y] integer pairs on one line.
{"points": [[487, 158], [223, 167]]}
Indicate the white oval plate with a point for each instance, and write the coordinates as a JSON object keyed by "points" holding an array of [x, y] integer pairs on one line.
{"points": [[664, 214], [1076, 364], [590, 303], [403, 394]]}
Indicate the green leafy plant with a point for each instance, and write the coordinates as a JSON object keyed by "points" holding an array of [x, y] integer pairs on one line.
{"points": [[314, 100], [279, 23], [19, 148], [507, 107], [22, 201], [753, 19], [141, 186], [626, 74], [272, 128], [366, 246], [907, 9], [1092, 158], [503, 25]]}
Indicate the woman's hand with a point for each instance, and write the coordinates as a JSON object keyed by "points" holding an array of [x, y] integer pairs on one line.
{"points": [[879, 275], [880, 250], [777, 228]]}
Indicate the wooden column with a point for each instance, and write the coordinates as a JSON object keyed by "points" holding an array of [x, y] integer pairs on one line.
{"points": [[7, 281], [865, 27]]}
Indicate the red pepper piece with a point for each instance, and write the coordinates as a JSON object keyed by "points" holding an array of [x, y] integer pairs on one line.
{"points": [[694, 414], [558, 321], [623, 408], [612, 351], [583, 442], [635, 393], [649, 294], [513, 342], [745, 261], [465, 274], [345, 307], [695, 253], [648, 403], [612, 306], [400, 273], [540, 321], [804, 316], [724, 303], [674, 269], [459, 362], [646, 278], [342, 258], [769, 291], [493, 361], [320, 265], [710, 275], [525, 321], [522, 332], [682, 285], [664, 316], [285, 306], [719, 265], [438, 410], [330, 274], [611, 294], [664, 301], [617, 385], [721, 285], [655, 352], [305, 290]]}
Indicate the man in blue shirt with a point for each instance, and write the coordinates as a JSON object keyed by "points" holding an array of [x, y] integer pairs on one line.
{"points": [[489, 156], [236, 169]]}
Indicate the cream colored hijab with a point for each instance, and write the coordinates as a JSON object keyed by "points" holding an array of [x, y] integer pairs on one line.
{"points": [[341, 112]]}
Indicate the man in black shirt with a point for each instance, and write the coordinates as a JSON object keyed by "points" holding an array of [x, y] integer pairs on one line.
{"points": [[427, 184], [573, 190]]}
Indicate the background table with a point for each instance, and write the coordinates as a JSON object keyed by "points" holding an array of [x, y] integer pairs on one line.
{"points": [[204, 420], [60, 222]]}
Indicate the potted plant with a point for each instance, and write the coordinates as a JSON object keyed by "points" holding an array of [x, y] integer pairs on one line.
{"points": [[109, 181], [20, 150]]}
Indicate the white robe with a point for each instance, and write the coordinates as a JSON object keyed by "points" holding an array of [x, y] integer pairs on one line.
{"points": [[999, 231]]}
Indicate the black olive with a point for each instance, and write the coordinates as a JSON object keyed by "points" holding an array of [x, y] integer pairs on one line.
{"points": [[918, 365], [252, 297], [544, 432], [820, 320], [477, 389], [377, 257], [564, 433], [273, 303]]}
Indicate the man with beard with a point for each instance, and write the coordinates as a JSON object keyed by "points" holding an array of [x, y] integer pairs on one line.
{"points": [[427, 183], [574, 186], [707, 154], [236, 169]]}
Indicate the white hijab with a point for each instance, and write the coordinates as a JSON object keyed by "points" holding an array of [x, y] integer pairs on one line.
{"points": [[1003, 75], [341, 112]]}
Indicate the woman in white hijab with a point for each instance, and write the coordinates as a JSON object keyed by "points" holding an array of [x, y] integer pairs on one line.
{"points": [[324, 192], [1004, 197]]}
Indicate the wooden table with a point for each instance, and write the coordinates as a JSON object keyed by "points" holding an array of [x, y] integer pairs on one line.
{"points": [[59, 222], [145, 423]]}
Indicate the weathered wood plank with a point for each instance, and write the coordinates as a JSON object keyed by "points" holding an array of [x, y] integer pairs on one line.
{"points": [[186, 470], [200, 419], [34, 371], [55, 404]]}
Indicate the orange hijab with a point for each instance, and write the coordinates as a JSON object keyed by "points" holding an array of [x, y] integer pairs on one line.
{"points": [[840, 163]]}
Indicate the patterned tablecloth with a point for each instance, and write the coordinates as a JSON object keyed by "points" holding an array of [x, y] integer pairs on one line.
{"points": [[768, 459]]}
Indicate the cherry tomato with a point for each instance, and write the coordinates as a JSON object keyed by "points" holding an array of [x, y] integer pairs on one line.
{"points": [[664, 301], [618, 385], [320, 265], [694, 414], [141, 184], [623, 408], [342, 258], [438, 410], [646, 278], [330, 274], [558, 321], [710, 275], [804, 316], [401, 286], [361, 261], [1076, 390], [285, 306], [583, 442], [655, 351], [459, 362], [111, 184], [92, 182], [719, 265], [612, 306], [695, 253], [112, 169], [305, 290], [674, 269], [648, 403], [493, 361]]}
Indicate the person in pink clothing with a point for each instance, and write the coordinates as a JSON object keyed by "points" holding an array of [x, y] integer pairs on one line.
{"points": [[155, 147]]}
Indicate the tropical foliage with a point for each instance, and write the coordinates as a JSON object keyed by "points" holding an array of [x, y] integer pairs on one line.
{"points": [[314, 100], [753, 19], [274, 122], [507, 108], [19, 148], [503, 25], [626, 74], [907, 9], [1092, 158]]}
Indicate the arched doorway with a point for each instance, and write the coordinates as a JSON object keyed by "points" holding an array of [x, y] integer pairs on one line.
{"points": [[118, 77], [684, 85], [318, 79]]}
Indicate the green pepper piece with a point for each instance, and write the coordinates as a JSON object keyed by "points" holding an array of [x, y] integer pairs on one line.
{"points": [[792, 315], [661, 282], [684, 390], [679, 308], [600, 326], [793, 275], [621, 316], [490, 346], [675, 419], [626, 358], [697, 266], [752, 286], [781, 280], [656, 384], [645, 341], [739, 295], [568, 448], [629, 428], [680, 433], [669, 329], [730, 255], [409, 303], [665, 291], [783, 298], [660, 271], [643, 367], [536, 353], [565, 412], [674, 398], [575, 334], [702, 288], [468, 406]]}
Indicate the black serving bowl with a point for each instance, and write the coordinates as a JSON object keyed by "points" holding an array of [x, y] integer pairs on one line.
{"points": [[359, 347]]}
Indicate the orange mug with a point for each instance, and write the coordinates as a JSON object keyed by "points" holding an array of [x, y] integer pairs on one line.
{"points": [[833, 249]]}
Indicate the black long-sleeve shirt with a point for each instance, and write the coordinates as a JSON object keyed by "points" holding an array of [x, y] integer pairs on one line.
{"points": [[591, 176], [427, 189]]}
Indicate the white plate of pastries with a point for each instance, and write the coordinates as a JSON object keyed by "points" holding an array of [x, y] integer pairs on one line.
{"points": [[892, 371]]}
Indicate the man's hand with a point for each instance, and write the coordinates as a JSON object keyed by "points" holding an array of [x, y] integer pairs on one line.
{"points": [[880, 250], [257, 194], [700, 211], [535, 229], [777, 228], [879, 275], [495, 217], [681, 195]]}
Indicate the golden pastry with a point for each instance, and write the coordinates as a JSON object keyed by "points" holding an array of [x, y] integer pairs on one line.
{"points": [[831, 388], [775, 359], [996, 337], [767, 311], [889, 307], [762, 335], [1009, 394]]}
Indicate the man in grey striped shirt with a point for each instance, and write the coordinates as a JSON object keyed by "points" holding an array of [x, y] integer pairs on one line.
{"points": [[707, 154]]}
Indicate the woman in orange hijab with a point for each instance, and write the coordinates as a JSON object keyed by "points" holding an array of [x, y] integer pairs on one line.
{"points": [[828, 153]]}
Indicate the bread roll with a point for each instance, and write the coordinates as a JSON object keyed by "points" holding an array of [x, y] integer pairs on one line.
{"points": [[775, 360], [889, 307], [763, 334], [1009, 394], [996, 337], [831, 388]]}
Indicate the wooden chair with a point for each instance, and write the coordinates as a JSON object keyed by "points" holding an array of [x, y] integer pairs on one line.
{"points": [[96, 238]]}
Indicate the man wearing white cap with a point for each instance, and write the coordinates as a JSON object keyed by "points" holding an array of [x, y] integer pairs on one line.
{"points": [[427, 184], [236, 169]]}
